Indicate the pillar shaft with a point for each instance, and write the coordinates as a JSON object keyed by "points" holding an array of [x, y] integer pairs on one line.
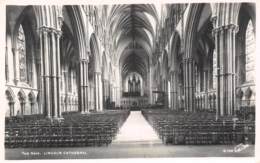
{"points": [[53, 76], [58, 74], [225, 49], [16, 65], [46, 74], [174, 87], [98, 92], [84, 83], [150, 85], [86, 90], [50, 69], [189, 84]]}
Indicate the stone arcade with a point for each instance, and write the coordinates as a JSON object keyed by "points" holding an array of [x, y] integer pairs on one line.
{"points": [[89, 60]]}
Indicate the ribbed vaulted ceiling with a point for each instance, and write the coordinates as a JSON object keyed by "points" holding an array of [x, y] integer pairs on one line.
{"points": [[133, 28]]}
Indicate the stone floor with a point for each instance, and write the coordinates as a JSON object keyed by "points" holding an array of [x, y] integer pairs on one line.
{"points": [[136, 129], [136, 139]]}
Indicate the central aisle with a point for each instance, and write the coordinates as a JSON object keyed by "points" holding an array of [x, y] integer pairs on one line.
{"points": [[136, 129]]}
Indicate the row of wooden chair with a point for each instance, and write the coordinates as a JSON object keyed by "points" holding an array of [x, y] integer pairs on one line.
{"points": [[75, 130], [189, 128]]}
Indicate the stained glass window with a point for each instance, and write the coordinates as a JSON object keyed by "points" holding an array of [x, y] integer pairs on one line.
{"points": [[22, 54], [250, 52]]}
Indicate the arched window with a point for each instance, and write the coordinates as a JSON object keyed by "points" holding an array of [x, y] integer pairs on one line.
{"points": [[21, 47], [245, 46], [32, 103], [22, 99], [249, 52], [10, 98]]}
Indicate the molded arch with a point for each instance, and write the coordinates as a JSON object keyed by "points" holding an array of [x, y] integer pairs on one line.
{"points": [[31, 97], [10, 94], [94, 48], [31, 18], [175, 47], [194, 18], [21, 96]]}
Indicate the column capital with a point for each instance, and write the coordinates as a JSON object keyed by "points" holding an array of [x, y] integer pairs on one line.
{"points": [[97, 72], [45, 29], [55, 31], [232, 27], [84, 60], [188, 60], [174, 72], [59, 33], [14, 50], [214, 20]]}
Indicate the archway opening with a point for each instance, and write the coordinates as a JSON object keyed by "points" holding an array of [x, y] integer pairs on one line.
{"points": [[245, 60]]}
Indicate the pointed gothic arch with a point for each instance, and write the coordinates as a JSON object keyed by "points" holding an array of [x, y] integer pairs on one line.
{"points": [[32, 102], [22, 99], [94, 49], [11, 101]]}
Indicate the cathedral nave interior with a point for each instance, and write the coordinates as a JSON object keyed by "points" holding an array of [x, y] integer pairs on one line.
{"points": [[76, 74]]}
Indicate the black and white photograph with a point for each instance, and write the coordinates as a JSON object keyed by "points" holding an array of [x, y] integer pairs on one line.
{"points": [[123, 81]]}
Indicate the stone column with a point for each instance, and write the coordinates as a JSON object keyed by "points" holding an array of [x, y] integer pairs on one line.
{"points": [[111, 91], [55, 35], [6, 65], [98, 91], [225, 49], [46, 72], [16, 66], [65, 76], [105, 93], [114, 93], [205, 83], [170, 101], [118, 95], [58, 73], [84, 86], [53, 77], [22, 104], [189, 84], [107, 89], [81, 87], [34, 73], [50, 68], [164, 88], [150, 85], [86, 90], [166, 92], [11, 106], [174, 87], [103, 81], [185, 85], [107, 97], [41, 90]]}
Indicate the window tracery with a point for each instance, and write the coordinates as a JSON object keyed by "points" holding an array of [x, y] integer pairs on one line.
{"points": [[21, 46], [249, 52]]}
